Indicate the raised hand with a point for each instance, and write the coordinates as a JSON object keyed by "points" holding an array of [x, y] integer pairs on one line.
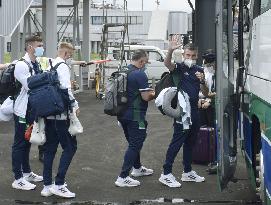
{"points": [[174, 42]]}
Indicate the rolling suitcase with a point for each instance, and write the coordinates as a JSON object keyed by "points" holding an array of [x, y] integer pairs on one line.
{"points": [[204, 150]]}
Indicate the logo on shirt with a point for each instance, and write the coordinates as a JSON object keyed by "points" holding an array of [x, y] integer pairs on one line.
{"points": [[186, 73]]}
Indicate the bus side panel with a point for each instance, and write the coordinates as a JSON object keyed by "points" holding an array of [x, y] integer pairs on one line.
{"points": [[262, 110], [247, 129], [266, 149], [247, 138]]}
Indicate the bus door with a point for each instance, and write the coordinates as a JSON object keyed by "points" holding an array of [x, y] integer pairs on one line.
{"points": [[226, 109]]}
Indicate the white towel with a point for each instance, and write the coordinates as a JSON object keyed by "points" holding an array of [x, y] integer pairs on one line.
{"points": [[183, 100], [160, 98]]}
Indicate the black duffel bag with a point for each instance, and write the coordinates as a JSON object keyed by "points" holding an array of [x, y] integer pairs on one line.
{"points": [[171, 79]]}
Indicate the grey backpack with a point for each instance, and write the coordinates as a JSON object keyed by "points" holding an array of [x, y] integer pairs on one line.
{"points": [[116, 97]]}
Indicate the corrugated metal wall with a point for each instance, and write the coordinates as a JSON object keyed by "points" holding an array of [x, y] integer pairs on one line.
{"points": [[11, 12], [178, 23]]}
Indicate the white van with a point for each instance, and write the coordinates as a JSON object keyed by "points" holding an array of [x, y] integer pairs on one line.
{"points": [[155, 69]]}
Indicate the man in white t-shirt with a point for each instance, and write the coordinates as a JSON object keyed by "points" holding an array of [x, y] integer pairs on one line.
{"points": [[56, 131], [21, 147]]}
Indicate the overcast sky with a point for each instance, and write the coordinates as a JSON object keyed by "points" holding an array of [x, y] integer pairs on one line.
{"points": [[176, 5]]}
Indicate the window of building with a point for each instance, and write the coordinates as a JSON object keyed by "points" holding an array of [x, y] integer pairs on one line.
{"points": [[121, 19], [129, 19], [80, 19], [109, 19], [8, 46], [64, 19], [98, 20], [139, 19], [70, 20], [133, 19], [114, 19]]}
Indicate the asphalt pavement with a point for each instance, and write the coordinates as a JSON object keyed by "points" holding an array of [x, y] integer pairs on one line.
{"points": [[98, 160]]}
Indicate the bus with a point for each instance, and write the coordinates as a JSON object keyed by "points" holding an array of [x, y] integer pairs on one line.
{"points": [[243, 102]]}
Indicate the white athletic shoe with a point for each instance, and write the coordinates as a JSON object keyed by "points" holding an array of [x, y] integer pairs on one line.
{"points": [[23, 184], [192, 176], [62, 191], [126, 182], [46, 191], [32, 177], [142, 171], [169, 180]]}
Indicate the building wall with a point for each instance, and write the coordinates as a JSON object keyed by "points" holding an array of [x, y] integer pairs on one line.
{"points": [[178, 23], [7, 21], [138, 25]]}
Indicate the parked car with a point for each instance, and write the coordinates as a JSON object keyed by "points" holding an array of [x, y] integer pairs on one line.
{"points": [[155, 69]]}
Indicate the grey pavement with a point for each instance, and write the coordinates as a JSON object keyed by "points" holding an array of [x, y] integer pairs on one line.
{"points": [[98, 160]]}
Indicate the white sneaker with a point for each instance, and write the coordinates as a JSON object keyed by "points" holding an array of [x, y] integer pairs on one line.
{"points": [[46, 191], [126, 182], [142, 171], [169, 180], [192, 177], [62, 191], [32, 177], [23, 184]]}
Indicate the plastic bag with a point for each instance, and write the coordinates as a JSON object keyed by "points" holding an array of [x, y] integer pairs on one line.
{"points": [[6, 110], [38, 133], [75, 125]]}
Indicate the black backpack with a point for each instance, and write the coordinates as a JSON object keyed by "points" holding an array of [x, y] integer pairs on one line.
{"points": [[46, 98], [116, 97], [9, 86], [171, 79]]}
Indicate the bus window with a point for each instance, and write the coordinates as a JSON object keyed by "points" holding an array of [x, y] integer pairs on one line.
{"points": [[265, 5]]}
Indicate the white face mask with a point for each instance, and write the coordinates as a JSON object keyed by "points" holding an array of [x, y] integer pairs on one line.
{"points": [[178, 61], [39, 51], [189, 62]]}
